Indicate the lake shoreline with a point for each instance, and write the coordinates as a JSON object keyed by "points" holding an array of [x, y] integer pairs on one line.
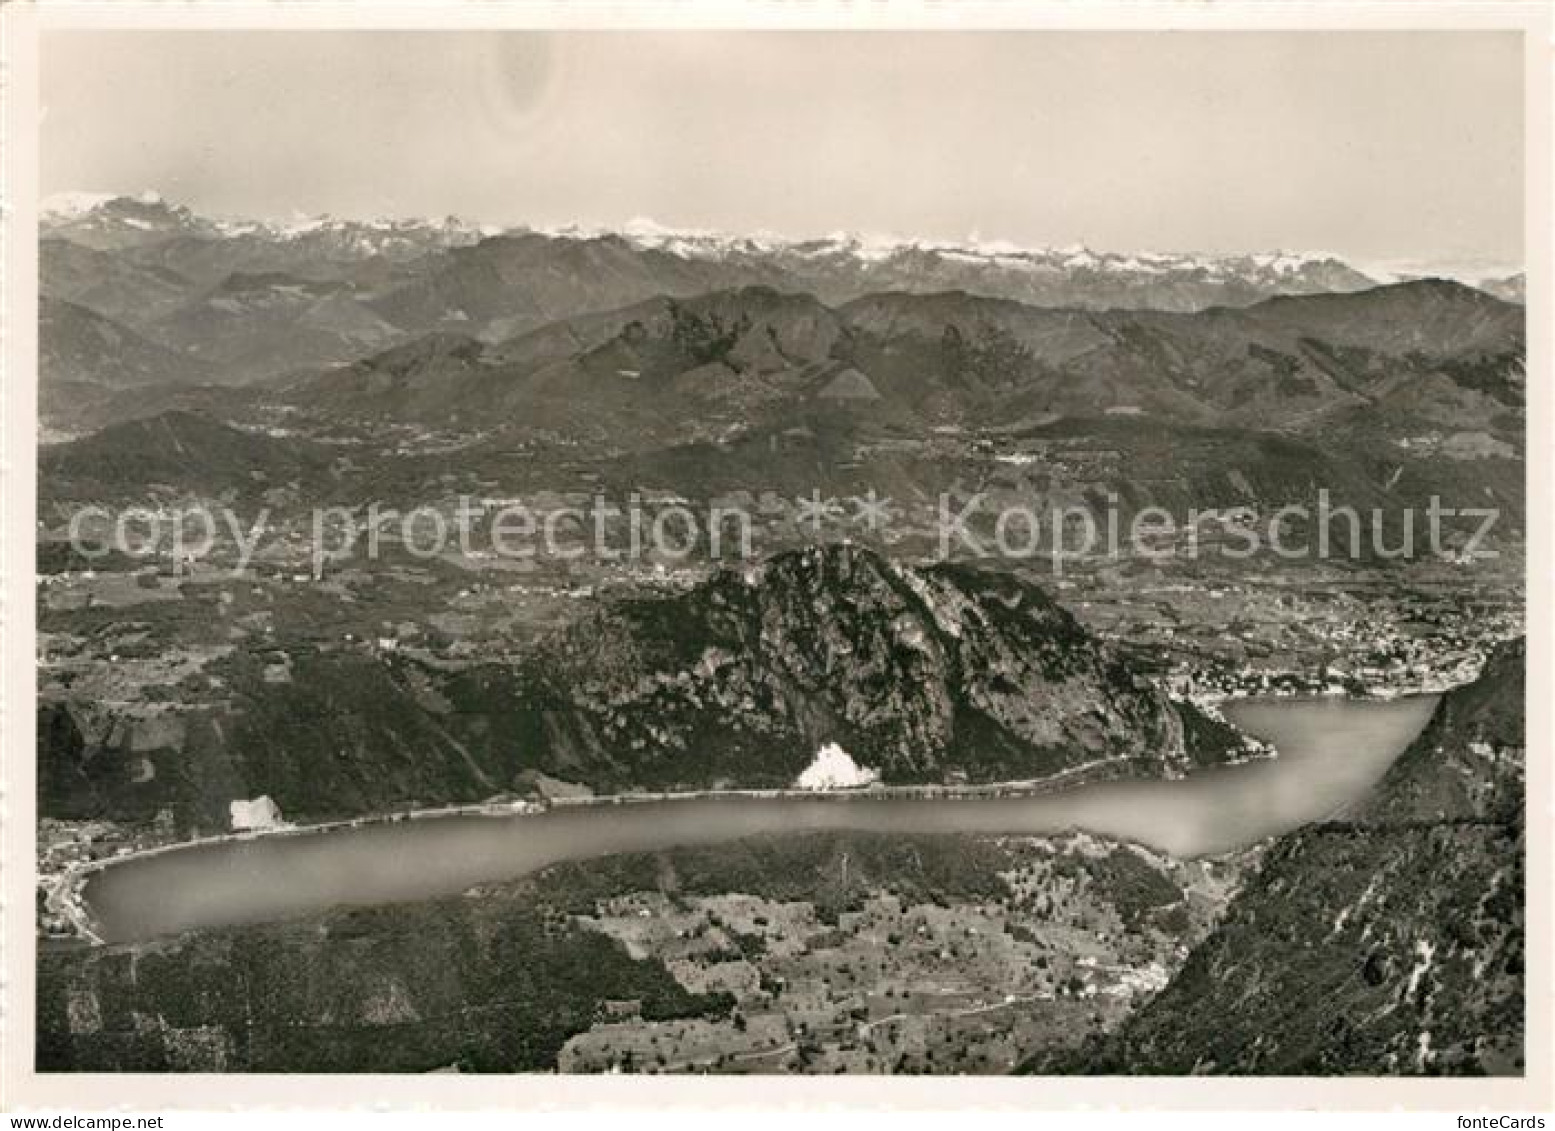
{"points": [[66, 895]]}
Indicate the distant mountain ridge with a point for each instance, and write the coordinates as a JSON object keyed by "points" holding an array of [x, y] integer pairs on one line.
{"points": [[258, 299], [423, 281], [705, 364], [106, 220], [78, 344], [1406, 356], [840, 264], [1385, 396], [175, 452], [141, 217]]}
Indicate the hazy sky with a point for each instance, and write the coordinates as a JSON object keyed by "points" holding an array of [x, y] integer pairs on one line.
{"points": [[1378, 146]]}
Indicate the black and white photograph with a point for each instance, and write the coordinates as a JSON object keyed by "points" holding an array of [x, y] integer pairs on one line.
{"points": [[863, 551]]}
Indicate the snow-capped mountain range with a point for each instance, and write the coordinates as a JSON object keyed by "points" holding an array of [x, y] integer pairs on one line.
{"points": [[251, 298], [973, 251], [108, 220], [105, 220], [836, 267], [145, 215]]}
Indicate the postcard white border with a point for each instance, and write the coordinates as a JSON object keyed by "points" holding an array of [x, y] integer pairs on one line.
{"points": [[24, 1089]]}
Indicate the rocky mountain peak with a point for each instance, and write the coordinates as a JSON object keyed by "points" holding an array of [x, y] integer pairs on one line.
{"points": [[917, 672]]}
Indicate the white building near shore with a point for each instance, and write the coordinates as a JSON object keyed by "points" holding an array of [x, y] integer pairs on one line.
{"points": [[834, 768], [260, 813]]}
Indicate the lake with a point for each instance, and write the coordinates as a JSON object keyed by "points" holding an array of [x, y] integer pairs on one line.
{"points": [[1331, 750]]}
